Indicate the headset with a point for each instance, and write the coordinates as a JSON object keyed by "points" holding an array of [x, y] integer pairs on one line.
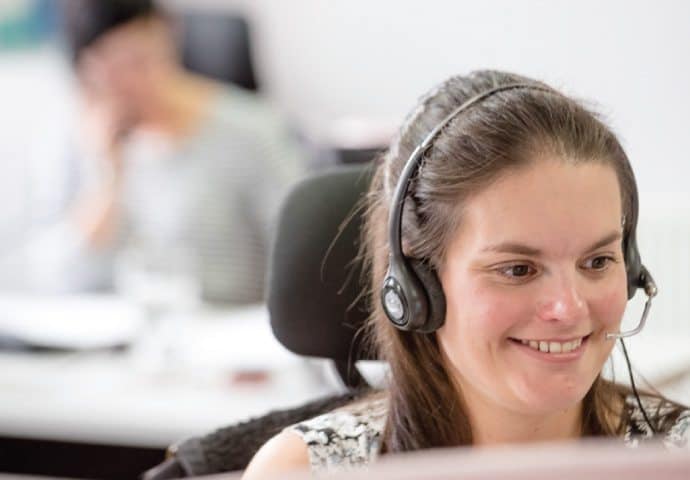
{"points": [[411, 295]]}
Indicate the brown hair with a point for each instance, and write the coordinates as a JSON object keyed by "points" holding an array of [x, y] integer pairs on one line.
{"points": [[508, 130]]}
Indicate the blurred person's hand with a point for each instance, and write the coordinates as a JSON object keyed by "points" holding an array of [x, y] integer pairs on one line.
{"points": [[106, 116], [106, 119]]}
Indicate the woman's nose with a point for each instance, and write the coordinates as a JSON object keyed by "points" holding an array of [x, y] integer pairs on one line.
{"points": [[562, 300]]}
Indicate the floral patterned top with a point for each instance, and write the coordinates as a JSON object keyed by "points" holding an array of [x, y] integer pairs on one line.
{"points": [[350, 437]]}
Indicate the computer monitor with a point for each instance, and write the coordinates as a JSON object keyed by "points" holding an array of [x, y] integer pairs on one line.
{"points": [[595, 459]]}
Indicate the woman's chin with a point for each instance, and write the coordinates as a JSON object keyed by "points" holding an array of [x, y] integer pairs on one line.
{"points": [[544, 401]]}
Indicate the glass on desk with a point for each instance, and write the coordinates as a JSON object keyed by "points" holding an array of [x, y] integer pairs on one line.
{"points": [[163, 281]]}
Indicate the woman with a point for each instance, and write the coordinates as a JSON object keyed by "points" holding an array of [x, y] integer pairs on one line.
{"points": [[517, 220], [172, 170]]}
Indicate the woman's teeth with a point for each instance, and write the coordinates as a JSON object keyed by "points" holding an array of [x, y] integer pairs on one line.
{"points": [[553, 347]]}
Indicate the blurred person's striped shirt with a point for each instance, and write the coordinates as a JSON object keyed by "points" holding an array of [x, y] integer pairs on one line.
{"points": [[216, 195]]}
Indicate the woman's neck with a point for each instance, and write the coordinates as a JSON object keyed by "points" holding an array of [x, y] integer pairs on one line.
{"points": [[511, 427], [180, 104], [495, 424]]}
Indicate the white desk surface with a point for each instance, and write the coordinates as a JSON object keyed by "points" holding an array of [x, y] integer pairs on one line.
{"points": [[119, 398]]}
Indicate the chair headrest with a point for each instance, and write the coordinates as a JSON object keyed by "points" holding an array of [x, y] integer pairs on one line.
{"points": [[202, 33], [316, 297]]}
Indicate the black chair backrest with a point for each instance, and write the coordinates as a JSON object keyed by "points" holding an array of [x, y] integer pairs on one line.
{"points": [[316, 296], [217, 45]]}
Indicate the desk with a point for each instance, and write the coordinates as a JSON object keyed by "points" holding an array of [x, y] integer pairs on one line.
{"points": [[114, 398], [106, 397]]}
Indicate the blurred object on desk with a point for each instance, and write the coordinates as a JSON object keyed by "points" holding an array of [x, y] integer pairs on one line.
{"points": [[75, 322], [161, 279]]}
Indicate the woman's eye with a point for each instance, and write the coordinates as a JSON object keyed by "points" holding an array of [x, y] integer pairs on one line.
{"points": [[517, 271], [598, 263]]}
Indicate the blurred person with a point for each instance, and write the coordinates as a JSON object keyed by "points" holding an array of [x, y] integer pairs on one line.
{"points": [[166, 159], [500, 241]]}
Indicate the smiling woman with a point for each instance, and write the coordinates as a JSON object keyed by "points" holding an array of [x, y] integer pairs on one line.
{"points": [[501, 225]]}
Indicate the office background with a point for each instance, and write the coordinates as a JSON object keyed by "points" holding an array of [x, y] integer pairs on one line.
{"points": [[345, 74], [325, 60]]}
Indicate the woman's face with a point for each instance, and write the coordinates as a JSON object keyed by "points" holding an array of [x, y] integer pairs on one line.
{"points": [[124, 68], [536, 265]]}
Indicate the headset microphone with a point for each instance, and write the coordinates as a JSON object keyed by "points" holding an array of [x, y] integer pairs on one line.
{"points": [[647, 283]]}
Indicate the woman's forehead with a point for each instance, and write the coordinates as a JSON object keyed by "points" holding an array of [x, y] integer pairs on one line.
{"points": [[555, 205]]}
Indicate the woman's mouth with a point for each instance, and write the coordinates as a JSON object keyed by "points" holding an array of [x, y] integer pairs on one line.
{"points": [[566, 349]]}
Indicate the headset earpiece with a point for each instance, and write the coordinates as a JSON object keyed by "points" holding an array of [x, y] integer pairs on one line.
{"points": [[436, 310], [412, 296], [402, 296], [633, 264]]}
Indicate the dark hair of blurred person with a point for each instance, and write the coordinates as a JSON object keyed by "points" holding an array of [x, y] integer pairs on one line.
{"points": [[85, 21]]}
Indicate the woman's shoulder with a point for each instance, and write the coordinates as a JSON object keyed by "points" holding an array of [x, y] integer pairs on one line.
{"points": [[670, 421], [347, 437], [338, 440], [283, 453]]}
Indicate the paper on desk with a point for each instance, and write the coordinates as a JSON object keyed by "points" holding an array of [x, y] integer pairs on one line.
{"points": [[69, 322]]}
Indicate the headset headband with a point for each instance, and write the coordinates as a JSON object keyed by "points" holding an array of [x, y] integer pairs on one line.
{"points": [[415, 161]]}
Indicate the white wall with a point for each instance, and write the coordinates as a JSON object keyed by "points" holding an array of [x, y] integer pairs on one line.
{"points": [[322, 60], [326, 59], [36, 111]]}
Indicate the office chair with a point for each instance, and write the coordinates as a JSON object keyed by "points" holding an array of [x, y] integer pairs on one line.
{"points": [[201, 35], [316, 305], [316, 243]]}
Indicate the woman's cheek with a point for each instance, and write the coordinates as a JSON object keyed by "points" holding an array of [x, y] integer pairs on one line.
{"points": [[500, 316], [487, 314], [609, 306]]}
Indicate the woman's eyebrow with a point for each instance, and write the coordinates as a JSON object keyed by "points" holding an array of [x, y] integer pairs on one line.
{"points": [[610, 238], [518, 248]]}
